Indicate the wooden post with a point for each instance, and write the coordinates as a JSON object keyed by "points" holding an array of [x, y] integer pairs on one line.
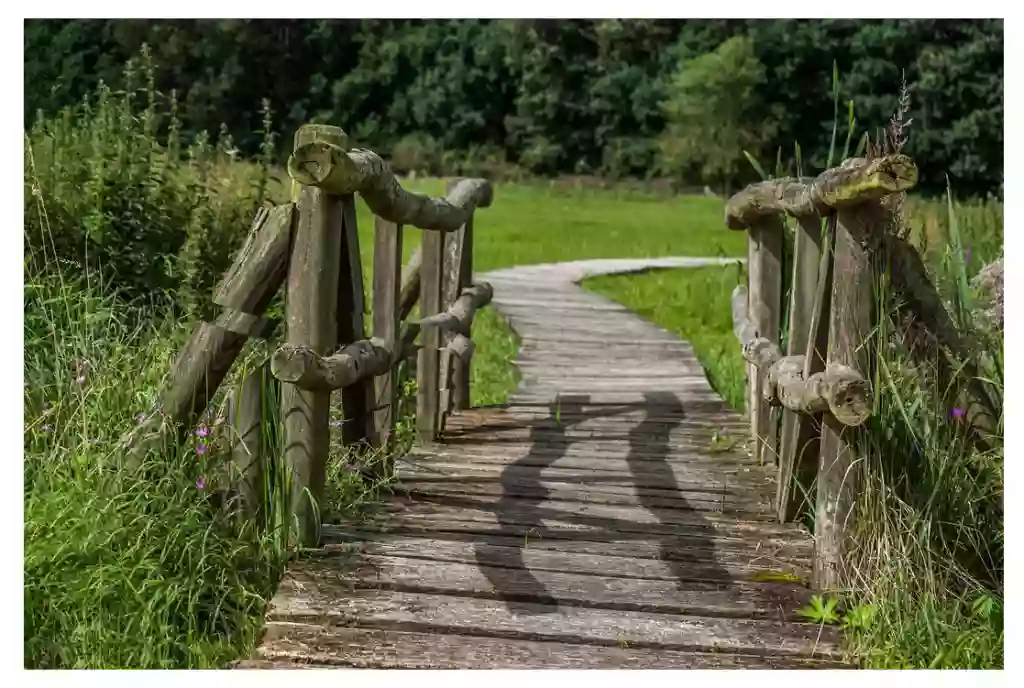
{"points": [[387, 270], [250, 410], [808, 335], [428, 363], [461, 372], [311, 314], [765, 277], [357, 400], [849, 331]]}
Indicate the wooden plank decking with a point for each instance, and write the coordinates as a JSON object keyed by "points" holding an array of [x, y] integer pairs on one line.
{"points": [[600, 520]]}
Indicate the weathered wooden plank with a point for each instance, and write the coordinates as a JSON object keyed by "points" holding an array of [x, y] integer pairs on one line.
{"points": [[414, 611], [590, 473], [720, 500], [486, 573], [310, 312], [849, 331], [599, 516], [428, 364], [626, 556], [387, 268], [799, 435], [298, 645], [410, 290]]}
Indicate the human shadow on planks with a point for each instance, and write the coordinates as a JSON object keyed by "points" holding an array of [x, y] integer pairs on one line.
{"points": [[504, 566]]}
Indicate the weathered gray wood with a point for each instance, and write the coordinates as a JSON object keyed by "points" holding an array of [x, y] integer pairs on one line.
{"points": [[331, 166], [838, 389], [389, 609], [620, 555], [290, 645], [387, 268], [461, 374], [244, 292], [249, 417], [765, 278], [849, 331], [590, 587], [310, 312], [410, 292], [812, 283], [349, 366], [357, 397], [856, 181], [428, 365]]}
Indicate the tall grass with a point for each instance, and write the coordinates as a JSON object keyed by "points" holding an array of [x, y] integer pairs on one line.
{"points": [[127, 230], [928, 561]]}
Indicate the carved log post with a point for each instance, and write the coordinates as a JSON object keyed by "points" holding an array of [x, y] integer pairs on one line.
{"points": [[849, 334], [311, 315], [387, 269], [464, 278], [808, 336], [764, 267]]}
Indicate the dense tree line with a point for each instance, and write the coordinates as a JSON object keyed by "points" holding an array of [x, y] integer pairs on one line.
{"points": [[608, 97]]}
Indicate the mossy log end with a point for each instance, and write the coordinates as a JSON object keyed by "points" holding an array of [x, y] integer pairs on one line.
{"points": [[459, 316], [339, 171], [856, 181], [304, 368], [839, 390]]}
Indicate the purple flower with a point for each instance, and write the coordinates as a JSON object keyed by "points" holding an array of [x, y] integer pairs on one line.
{"points": [[200, 483], [337, 422], [957, 413], [140, 417], [47, 428], [201, 449], [202, 431], [80, 379]]}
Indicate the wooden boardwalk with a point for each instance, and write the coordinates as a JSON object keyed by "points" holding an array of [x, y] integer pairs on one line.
{"points": [[603, 519]]}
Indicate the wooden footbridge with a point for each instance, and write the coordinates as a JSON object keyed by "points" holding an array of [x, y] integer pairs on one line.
{"points": [[615, 513]]}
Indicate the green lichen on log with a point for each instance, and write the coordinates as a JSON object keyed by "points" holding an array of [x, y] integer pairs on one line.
{"points": [[856, 181]]}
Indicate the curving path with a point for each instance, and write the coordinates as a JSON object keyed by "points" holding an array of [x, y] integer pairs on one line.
{"points": [[607, 517]]}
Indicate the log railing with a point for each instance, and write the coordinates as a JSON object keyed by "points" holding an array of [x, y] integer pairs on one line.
{"points": [[806, 404], [311, 245]]}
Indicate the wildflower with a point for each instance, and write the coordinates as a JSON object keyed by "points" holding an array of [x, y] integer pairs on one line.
{"points": [[47, 428], [349, 468], [337, 422], [200, 483], [202, 431], [957, 413], [201, 449], [140, 417], [80, 379]]}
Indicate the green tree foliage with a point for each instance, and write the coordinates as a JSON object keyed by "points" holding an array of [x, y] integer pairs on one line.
{"points": [[561, 96], [713, 112]]}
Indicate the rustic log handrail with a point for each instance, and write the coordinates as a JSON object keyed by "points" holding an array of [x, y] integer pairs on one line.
{"points": [[822, 383], [312, 245], [839, 389], [856, 181], [459, 316], [333, 168]]}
